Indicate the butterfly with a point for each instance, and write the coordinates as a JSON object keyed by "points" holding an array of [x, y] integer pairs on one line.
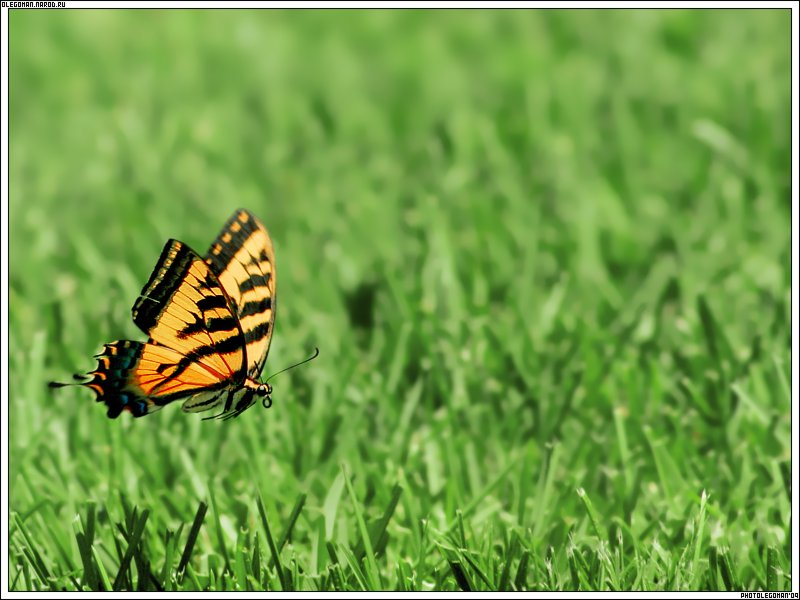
{"points": [[209, 321]]}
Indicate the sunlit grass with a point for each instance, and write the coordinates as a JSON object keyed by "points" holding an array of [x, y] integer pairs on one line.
{"points": [[545, 256]]}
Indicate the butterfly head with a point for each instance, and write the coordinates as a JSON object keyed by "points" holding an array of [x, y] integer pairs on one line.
{"points": [[264, 391]]}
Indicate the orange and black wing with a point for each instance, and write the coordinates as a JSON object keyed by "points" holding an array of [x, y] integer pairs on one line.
{"points": [[142, 378], [243, 260], [196, 349], [184, 307]]}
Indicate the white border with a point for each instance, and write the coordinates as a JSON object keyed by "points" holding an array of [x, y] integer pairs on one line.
{"points": [[795, 253], [4, 582], [4, 316], [418, 4]]}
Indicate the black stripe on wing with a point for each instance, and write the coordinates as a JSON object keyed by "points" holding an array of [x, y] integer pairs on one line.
{"points": [[172, 267]]}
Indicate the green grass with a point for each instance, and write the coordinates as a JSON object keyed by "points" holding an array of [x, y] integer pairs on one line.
{"points": [[545, 256]]}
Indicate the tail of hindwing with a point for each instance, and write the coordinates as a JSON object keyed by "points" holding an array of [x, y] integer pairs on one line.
{"points": [[111, 380]]}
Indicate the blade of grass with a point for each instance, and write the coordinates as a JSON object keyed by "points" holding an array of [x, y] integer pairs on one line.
{"points": [[101, 571], [477, 569], [460, 576], [170, 543], [358, 572], [192, 538], [255, 562], [32, 561], [373, 574], [522, 570], [298, 507], [192, 577], [133, 545], [379, 533], [13, 586], [772, 569], [598, 527], [545, 487], [709, 327], [90, 576], [511, 552], [698, 539], [35, 557], [217, 521], [272, 548], [331, 505]]}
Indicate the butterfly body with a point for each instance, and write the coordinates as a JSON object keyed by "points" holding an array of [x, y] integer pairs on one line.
{"points": [[210, 324]]}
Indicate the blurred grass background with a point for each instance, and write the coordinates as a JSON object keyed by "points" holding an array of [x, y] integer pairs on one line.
{"points": [[545, 255]]}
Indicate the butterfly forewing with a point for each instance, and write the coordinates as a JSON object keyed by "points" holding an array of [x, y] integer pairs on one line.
{"points": [[185, 308], [243, 260]]}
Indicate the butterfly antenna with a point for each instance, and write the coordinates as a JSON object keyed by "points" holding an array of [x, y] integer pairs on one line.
{"points": [[302, 362]]}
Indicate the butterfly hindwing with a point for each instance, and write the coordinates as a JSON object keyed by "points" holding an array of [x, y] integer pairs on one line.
{"points": [[138, 378], [243, 259]]}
